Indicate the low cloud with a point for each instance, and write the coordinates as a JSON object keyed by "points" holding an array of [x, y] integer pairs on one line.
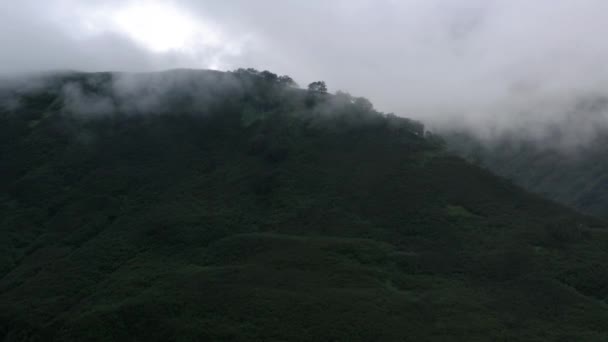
{"points": [[491, 66]]}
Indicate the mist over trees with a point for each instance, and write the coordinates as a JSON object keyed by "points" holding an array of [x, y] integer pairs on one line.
{"points": [[493, 67], [572, 175], [262, 93]]}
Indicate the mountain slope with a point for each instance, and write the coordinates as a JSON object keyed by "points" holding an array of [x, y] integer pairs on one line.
{"points": [[193, 205], [576, 177]]}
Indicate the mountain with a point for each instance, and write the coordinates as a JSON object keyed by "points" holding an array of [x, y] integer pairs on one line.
{"points": [[200, 205], [575, 176]]}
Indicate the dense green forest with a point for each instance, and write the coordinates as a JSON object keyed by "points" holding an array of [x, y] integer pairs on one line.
{"points": [[575, 176], [209, 206]]}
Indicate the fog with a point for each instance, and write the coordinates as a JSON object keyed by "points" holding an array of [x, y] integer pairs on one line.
{"points": [[493, 66]]}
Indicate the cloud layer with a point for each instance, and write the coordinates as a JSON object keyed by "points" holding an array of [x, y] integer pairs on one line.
{"points": [[497, 63]]}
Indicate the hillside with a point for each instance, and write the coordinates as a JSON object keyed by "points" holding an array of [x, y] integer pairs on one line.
{"points": [[199, 205], [577, 177]]}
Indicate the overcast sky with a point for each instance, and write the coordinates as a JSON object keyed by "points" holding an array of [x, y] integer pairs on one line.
{"points": [[452, 58]]}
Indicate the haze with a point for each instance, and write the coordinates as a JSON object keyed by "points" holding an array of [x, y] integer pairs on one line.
{"points": [[490, 65]]}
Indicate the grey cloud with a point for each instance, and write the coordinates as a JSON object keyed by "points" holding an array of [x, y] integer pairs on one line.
{"points": [[76, 100], [501, 65]]}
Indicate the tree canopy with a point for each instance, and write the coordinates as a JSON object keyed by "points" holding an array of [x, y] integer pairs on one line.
{"points": [[318, 86]]}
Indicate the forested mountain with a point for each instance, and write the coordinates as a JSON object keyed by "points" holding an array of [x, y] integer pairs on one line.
{"points": [[575, 176], [208, 206]]}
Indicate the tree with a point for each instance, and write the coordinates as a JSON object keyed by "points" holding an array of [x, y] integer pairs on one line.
{"points": [[317, 87], [287, 81], [248, 71], [364, 104], [269, 76], [343, 98]]}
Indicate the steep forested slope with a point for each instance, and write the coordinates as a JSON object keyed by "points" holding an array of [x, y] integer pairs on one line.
{"points": [[234, 207], [576, 176]]}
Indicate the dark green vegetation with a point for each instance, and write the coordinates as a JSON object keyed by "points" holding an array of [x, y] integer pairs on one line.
{"points": [[577, 177], [193, 206]]}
